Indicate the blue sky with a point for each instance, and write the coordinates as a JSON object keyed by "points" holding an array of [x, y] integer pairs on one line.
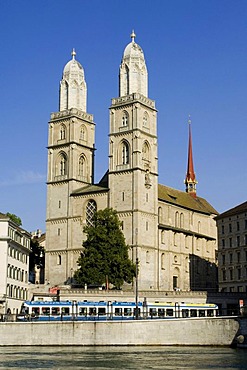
{"points": [[196, 55]]}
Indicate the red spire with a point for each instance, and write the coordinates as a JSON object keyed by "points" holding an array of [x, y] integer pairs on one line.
{"points": [[190, 180]]}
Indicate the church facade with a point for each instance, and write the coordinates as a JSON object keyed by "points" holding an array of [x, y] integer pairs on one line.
{"points": [[171, 232]]}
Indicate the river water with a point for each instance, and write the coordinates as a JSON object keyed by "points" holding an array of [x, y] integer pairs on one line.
{"points": [[73, 358]]}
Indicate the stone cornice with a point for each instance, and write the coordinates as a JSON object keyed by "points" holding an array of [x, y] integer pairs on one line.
{"points": [[135, 97], [73, 112]]}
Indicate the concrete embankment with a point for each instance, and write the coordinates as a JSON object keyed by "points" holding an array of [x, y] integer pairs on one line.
{"points": [[195, 331]]}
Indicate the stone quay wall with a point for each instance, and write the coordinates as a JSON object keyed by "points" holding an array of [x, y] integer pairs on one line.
{"points": [[196, 331]]}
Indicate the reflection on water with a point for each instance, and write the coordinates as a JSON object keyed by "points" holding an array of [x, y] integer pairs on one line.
{"points": [[122, 358]]}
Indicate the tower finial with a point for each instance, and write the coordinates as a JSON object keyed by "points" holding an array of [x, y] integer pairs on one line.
{"points": [[73, 53], [133, 36], [190, 180]]}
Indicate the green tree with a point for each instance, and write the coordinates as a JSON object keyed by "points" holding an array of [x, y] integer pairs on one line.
{"points": [[105, 255], [37, 255], [14, 218]]}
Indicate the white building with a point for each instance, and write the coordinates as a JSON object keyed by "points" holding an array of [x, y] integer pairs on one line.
{"points": [[173, 232], [14, 257]]}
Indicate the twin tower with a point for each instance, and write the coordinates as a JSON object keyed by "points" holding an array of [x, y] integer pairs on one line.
{"points": [[129, 185]]}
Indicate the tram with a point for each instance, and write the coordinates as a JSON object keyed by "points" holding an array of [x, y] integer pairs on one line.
{"points": [[108, 310]]}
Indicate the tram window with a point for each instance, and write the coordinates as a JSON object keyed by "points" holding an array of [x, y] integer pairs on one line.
{"points": [[161, 312], [210, 313], [152, 312], [118, 311], [35, 311], [185, 313], [169, 312], [127, 312], [65, 310], [202, 313], [193, 313], [101, 311], [55, 310], [83, 311], [92, 311], [45, 310]]}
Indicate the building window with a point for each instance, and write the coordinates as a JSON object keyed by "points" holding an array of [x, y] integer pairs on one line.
{"points": [[125, 119], [123, 196], [238, 257], [245, 224], [62, 132], [230, 258], [91, 208], [238, 241], [163, 261], [223, 275], [147, 257], [145, 119], [146, 225], [62, 165], [175, 282], [83, 133], [245, 239], [239, 273], [237, 225], [81, 166], [230, 242], [58, 231], [59, 259], [223, 243], [223, 259], [230, 228], [231, 274], [222, 229], [125, 153]]}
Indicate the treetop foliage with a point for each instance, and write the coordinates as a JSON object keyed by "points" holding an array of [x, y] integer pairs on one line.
{"points": [[105, 256]]}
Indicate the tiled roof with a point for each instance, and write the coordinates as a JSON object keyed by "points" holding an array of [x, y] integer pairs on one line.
{"points": [[90, 189], [183, 199], [233, 211]]}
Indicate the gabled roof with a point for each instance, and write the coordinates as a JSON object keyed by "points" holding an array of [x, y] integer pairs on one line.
{"points": [[185, 200], [89, 189], [241, 208]]}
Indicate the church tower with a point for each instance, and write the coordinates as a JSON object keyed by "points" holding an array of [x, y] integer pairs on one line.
{"points": [[190, 181], [70, 166], [133, 173]]}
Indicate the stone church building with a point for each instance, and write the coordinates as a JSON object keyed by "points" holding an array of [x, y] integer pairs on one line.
{"points": [[171, 232]]}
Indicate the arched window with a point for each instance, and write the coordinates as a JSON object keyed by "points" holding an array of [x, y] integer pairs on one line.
{"points": [[91, 208], [176, 219], [145, 152], [125, 153], [163, 261], [147, 257], [62, 165], [145, 119], [181, 220], [81, 166], [83, 133], [125, 119], [62, 132], [59, 259]]}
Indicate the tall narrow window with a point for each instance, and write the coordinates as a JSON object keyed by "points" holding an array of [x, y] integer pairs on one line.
{"points": [[125, 119], [91, 208], [59, 259], [62, 165], [125, 153], [62, 132], [81, 166], [145, 119]]}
